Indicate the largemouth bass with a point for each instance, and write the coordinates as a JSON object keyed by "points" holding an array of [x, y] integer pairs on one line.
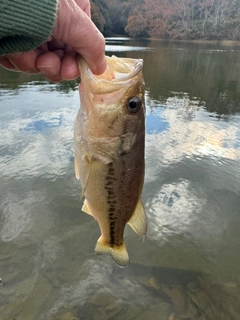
{"points": [[109, 135]]}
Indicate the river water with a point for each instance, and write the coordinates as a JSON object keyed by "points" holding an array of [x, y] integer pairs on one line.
{"points": [[189, 266]]}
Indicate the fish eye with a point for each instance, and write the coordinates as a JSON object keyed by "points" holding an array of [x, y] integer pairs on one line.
{"points": [[134, 104]]}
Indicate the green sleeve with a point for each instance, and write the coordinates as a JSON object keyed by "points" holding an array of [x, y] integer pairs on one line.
{"points": [[25, 24]]}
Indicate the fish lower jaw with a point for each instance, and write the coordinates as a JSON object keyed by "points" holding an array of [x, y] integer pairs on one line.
{"points": [[119, 254]]}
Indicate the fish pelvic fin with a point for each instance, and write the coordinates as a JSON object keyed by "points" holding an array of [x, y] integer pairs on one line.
{"points": [[138, 221], [119, 254], [76, 167], [85, 184], [86, 208]]}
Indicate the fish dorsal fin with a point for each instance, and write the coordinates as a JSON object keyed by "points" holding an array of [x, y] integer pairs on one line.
{"points": [[138, 221], [86, 208], [76, 167]]}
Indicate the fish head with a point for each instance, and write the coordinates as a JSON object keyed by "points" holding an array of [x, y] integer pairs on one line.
{"points": [[113, 102]]}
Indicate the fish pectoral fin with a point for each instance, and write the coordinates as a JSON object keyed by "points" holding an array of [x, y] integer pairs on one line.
{"points": [[86, 208], [106, 150], [119, 253], [138, 221], [88, 175], [76, 168]]}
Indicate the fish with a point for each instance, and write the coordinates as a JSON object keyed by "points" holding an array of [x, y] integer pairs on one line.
{"points": [[109, 142]]}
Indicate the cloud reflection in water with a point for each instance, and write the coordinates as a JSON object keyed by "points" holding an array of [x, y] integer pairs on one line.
{"points": [[187, 165]]}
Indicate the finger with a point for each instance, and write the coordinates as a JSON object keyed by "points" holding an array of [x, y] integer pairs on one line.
{"points": [[44, 47], [56, 78], [7, 64], [92, 49], [55, 44], [85, 6], [76, 30], [69, 67], [25, 61], [49, 63], [53, 78]]}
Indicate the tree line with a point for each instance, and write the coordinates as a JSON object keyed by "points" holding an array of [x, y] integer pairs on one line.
{"points": [[168, 19]]}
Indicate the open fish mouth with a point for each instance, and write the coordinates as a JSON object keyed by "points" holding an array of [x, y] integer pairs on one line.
{"points": [[117, 75]]}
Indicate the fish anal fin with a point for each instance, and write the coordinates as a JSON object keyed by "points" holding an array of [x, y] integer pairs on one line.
{"points": [[119, 254], [86, 208], [76, 168], [138, 221]]}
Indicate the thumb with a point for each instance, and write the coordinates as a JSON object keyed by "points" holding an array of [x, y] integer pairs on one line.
{"points": [[76, 30], [85, 6]]}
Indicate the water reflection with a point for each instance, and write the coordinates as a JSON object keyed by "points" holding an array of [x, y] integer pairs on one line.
{"points": [[40, 125], [189, 266], [120, 45], [114, 48]]}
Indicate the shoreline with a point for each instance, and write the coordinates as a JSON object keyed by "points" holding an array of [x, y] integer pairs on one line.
{"points": [[224, 42]]}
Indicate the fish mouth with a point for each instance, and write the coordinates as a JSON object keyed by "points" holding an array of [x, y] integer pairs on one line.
{"points": [[120, 72], [123, 69]]}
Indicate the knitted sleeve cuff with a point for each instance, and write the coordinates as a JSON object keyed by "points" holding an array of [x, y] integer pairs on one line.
{"points": [[25, 24]]}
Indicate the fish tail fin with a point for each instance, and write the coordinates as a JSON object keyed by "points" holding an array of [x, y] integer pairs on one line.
{"points": [[119, 253]]}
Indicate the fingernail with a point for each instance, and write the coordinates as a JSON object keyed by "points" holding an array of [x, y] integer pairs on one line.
{"points": [[49, 70]]}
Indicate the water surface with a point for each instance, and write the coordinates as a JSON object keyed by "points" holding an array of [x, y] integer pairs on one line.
{"points": [[189, 267]]}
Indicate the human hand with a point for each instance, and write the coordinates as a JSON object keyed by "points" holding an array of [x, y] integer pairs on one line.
{"points": [[74, 32]]}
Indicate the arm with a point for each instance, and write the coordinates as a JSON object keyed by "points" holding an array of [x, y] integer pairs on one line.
{"points": [[24, 24], [73, 32]]}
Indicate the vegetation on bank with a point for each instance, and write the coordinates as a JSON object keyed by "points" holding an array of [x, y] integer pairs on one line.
{"points": [[169, 19]]}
